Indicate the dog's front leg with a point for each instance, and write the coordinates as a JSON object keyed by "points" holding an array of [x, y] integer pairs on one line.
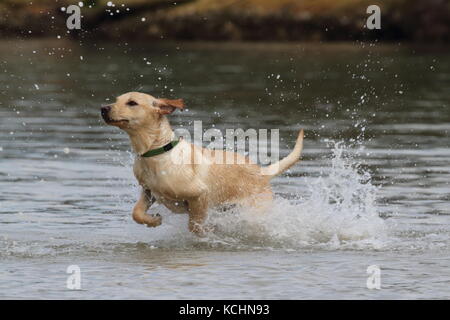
{"points": [[139, 211], [197, 215]]}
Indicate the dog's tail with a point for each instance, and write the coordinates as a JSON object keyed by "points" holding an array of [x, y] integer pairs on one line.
{"points": [[287, 162]]}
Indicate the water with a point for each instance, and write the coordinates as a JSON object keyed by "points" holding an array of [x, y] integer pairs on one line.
{"points": [[373, 188]]}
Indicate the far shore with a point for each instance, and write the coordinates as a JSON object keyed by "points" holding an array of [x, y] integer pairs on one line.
{"points": [[424, 21]]}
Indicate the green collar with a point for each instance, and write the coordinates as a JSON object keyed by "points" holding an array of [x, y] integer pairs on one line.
{"points": [[157, 151]]}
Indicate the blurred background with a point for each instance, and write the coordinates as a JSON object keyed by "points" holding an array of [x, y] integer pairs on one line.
{"points": [[262, 20]]}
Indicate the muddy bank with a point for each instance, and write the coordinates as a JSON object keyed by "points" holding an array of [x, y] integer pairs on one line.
{"points": [[292, 20]]}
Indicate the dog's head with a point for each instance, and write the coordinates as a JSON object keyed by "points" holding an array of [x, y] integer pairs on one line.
{"points": [[135, 110]]}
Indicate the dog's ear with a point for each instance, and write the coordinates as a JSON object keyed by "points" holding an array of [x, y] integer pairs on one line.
{"points": [[167, 106]]}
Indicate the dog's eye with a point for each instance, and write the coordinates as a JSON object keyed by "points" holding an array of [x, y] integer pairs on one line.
{"points": [[132, 103]]}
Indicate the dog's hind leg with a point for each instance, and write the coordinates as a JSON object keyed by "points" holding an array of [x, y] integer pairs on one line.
{"points": [[259, 203], [142, 205]]}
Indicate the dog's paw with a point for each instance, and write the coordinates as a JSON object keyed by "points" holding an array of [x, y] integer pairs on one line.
{"points": [[153, 220], [209, 228], [201, 230]]}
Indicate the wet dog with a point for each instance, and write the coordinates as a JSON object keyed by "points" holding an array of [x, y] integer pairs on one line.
{"points": [[182, 176]]}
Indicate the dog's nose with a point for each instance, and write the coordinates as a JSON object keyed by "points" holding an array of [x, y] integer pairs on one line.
{"points": [[105, 110]]}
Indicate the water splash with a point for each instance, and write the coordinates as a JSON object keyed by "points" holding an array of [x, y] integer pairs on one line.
{"points": [[339, 211]]}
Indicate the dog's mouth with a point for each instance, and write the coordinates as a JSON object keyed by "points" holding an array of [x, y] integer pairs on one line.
{"points": [[111, 121], [120, 121]]}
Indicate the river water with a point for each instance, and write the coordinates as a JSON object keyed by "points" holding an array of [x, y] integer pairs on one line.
{"points": [[372, 189]]}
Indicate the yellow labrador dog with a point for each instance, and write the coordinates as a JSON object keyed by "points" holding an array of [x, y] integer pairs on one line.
{"points": [[165, 169]]}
